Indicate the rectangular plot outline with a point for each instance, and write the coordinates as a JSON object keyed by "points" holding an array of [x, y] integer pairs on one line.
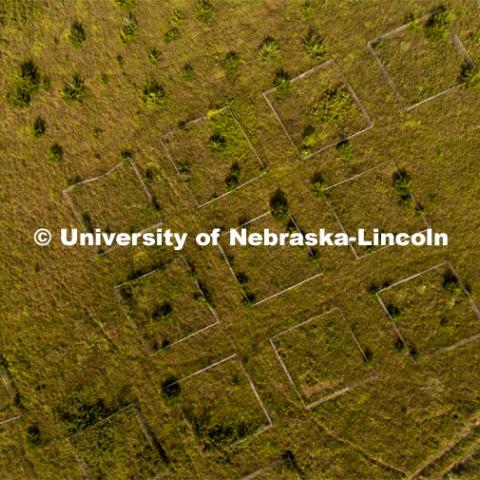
{"points": [[469, 435], [232, 271], [456, 41], [134, 324], [252, 386], [352, 92], [394, 327], [337, 218], [199, 120], [84, 466], [78, 217], [336, 393]]}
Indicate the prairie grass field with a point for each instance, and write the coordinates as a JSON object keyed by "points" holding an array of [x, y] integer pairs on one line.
{"points": [[239, 362]]}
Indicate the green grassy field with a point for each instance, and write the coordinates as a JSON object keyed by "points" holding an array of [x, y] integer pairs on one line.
{"points": [[254, 362]]}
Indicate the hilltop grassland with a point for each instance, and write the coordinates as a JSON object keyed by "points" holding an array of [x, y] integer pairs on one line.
{"points": [[322, 363]]}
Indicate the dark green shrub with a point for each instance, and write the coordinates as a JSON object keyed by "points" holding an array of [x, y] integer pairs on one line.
{"points": [[154, 55], [314, 44], [149, 175], [129, 29], [242, 278], [39, 126], [87, 223], [233, 178], [282, 81], [318, 185], [231, 61], [291, 226], [413, 351], [249, 298], [204, 10], [177, 17], [153, 93], [126, 154], [55, 154], [171, 34], [171, 387], [308, 140], [408, 18], [269, 50], [74, 89], [402, 184], [393, 310], [81, 414], [217, 143], [344, 148], [368, 355], [336, 103], [279, 204], [291, 462], [162, 312], [451, 284], [185, 168], [125, 291], [438, 25], [205, 292], [77, 34], [187, 72], [33, 435], [469, 74], [3, 362], [307, 9], [26, 82], [399, 345]]}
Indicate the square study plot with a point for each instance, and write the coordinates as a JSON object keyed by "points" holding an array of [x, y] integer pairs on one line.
{"points": [[265, 272], [431, 311], [167, 305], [321, 357], [116, 201], [119, 447], [221, 404], [213, 155], [421, 60], [379, 198], [318, 109]]}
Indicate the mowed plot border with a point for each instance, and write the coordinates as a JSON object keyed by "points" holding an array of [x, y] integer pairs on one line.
{"points": [[330, 203], [203, 119], [438, 266], [352, 92], [269, 297], [235, 357], [67, 194], [456, 41], [11, 391], [337, 393], [212, 311], [270, 467], [84, 468]]}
